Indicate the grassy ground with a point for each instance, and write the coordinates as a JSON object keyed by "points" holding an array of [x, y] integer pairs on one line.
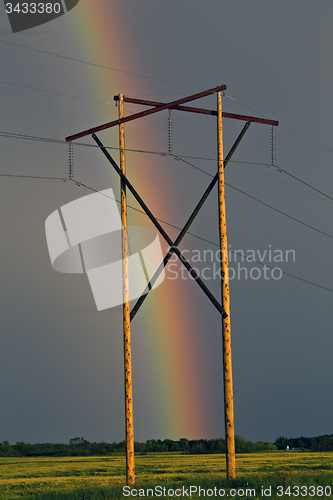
{"points": [[88, 478]]}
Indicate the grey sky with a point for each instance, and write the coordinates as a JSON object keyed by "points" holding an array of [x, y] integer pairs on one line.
{"points": [[61, 361]]}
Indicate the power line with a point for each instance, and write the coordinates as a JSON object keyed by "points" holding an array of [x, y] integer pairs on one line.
{"points": [[14, 135], [278, 180], [78, 183], [176, 157], [180, 157], [266, 204], [54, 93], [211, 242], [33, 177], [94, 64], [193, 166], [174, 133], [75, 96], [284, 272], [305, 183], [109, 103], [141, 76], [279, 211], [283, 126], [307, 138], [26, 137]]}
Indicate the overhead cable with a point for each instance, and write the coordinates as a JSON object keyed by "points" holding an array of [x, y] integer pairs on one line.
{"points": [[94, 64], [78, 183]]}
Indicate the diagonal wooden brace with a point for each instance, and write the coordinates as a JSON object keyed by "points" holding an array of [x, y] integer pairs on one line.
{"points": [[188, 224], [158, 226]]}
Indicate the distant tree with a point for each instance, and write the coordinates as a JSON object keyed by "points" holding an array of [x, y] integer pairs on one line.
{"points": [[312, 446], [77, 441], [172, 445], [139, 447], [6, 450], [241, 446], [198, 446], [299, 442], [184, 444], [270, 446], [217, 446]]}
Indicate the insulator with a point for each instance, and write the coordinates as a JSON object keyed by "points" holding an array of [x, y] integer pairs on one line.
{"points": [[70, 161], [170, 137], [273, 146]]}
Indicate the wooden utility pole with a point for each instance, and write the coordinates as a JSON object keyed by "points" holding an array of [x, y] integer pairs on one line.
{"points": [[130, 477], [226, 338]]}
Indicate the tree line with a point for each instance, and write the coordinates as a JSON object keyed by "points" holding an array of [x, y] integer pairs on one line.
{"points": [[319, 443], [81, 447]]}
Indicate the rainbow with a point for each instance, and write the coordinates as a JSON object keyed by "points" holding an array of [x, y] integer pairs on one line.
{"points": [[166, 324]]}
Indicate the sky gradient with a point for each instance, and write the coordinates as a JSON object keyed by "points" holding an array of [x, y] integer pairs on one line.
{"points": [[61, 361]]}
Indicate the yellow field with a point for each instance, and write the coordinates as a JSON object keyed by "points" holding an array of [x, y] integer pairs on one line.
{"points": [[23, 476]]}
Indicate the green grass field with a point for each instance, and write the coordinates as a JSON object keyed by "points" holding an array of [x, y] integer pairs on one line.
{"points": [[104, 477]]}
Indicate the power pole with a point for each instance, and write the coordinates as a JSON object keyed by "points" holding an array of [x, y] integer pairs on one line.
{"points": [[224, 308], [130, 477], [226, 338]]}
